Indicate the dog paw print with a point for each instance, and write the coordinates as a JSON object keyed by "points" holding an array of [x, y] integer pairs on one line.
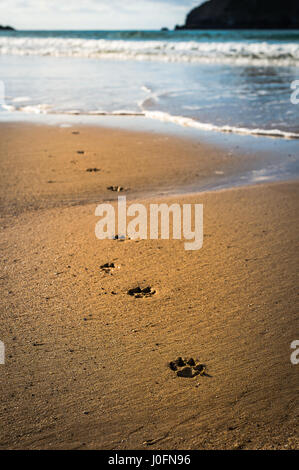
{"points": [[117, 189], [188, 368], [108, 267], [138, 292], [92, 170]]}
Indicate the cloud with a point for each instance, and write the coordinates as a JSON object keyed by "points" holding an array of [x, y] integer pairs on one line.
{"points": [[94, 14]]}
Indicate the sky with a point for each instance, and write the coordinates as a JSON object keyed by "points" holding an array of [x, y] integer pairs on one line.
{"points": [[94, 14]]}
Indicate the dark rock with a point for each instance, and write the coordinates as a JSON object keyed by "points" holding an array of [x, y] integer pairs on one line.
{"points": [[6, 28], [248, 14]]}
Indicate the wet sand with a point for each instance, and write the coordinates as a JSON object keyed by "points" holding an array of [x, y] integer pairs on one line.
{"points": [[47, 166], [86, 363]]}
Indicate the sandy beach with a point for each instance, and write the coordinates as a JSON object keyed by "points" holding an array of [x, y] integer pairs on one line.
{"points": [[86, 363], [49, 166]]}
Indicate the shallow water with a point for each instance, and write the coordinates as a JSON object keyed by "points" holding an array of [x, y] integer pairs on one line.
{"points": [[234, 81]]}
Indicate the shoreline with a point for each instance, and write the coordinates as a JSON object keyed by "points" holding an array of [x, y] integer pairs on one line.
{"points": [[86, 363], [160, 116], [162, 122]]}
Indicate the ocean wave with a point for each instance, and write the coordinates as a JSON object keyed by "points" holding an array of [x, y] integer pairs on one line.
{"points": [[160, 116], [238, 52], [189, 122], [30, 109]]}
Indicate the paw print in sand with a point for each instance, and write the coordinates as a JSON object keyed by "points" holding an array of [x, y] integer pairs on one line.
{"points": [[138, 292], [108, 267], [188, 368], [117, 189]]}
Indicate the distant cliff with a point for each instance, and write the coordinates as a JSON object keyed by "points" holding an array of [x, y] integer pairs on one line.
{"points": [[6, 28], [245, 14]]}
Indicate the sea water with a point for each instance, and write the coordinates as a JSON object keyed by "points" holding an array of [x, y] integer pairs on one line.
{"points": [[232, 81]]}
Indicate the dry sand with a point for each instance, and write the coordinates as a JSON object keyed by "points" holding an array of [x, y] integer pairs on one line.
{"points": [[87, 364]]}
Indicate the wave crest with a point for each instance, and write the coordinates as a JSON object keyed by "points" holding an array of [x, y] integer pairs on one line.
{"points": [[238, 52]]}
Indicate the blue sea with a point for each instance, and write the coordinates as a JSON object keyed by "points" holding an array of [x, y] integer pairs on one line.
{"points": [[228, 81]]}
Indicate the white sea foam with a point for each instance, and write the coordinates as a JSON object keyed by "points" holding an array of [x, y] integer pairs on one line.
{"points": [[161, 116], [21, 99], [30, 109], [188, 122], [35, 109], [238, 52]]}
